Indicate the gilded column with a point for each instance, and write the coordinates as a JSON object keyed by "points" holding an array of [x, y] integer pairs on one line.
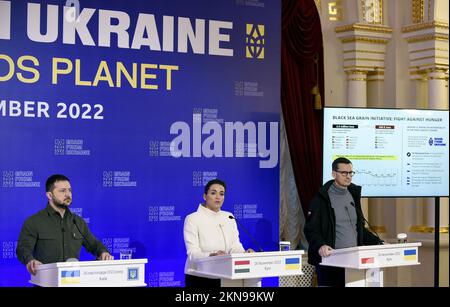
{"points": [[428, 55], [364, 52]]}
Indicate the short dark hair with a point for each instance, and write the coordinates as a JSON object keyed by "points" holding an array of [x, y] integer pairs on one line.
{"points": [[50, 183], [335, 165], [214, 181]]}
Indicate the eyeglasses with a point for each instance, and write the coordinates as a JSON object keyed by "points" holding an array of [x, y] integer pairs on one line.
{"points": [[345, 173]]}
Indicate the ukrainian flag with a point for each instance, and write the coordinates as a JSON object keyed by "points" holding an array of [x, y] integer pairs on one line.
{"points": [[292, 263], [70, 277], [410, 254]]}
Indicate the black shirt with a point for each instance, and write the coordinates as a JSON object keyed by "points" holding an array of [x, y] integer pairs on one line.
{"points": [[48, 237], [320, 226]]}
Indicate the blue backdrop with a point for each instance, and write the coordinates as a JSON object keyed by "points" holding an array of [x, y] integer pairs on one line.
{"points": [[139, 103]]}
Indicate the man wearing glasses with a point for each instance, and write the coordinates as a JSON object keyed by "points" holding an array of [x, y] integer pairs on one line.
{"points": [[335, 220]]}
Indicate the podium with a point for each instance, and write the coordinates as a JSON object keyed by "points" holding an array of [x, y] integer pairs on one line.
{"points": [[364, 264], [111, 273], [247, 269]]}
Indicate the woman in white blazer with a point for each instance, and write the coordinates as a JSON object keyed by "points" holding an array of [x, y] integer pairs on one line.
{"points": [[209, 232]]}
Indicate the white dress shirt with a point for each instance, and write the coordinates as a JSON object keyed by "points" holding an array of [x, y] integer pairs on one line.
{"points": [[206, 232]]}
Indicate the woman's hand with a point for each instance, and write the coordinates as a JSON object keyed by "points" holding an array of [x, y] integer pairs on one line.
{"points": [[218, 253]]}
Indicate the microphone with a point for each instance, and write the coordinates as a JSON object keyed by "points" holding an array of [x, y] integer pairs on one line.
{"points": [[351, 223], [370, 226], [81, 233], [87, 242], [76, 225], [72, 260], [248, 234]]}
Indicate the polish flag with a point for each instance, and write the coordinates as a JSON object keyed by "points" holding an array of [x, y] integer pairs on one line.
{"points": [[366, 260]]}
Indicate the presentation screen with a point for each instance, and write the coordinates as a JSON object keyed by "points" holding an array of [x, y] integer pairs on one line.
{"points": [[394, 152]]}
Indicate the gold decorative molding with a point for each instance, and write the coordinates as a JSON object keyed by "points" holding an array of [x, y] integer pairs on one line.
{"points": [[418, 71], [362, 27], [432, 67], [424, 70], [364, 59], [361, 68], [357, 79], [426, 229], [429, 49], [376, 73], [417, 11], [424, 26], [372, 11], [418, 228], [430, 57], [363, 51], [335, 10], [365, 40], [438, 78], [429, 9], [428, 37], [356, 72], [438, 69]]}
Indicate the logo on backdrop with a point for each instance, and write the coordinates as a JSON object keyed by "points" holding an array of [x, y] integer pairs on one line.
{"points": [[247, 211], [70, 147], [163, 213], [201, 178], [8, 249], [19, 179], [118, 179], [115, 245], [255, 41], [163, 279]]}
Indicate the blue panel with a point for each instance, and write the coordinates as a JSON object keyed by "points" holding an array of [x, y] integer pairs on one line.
{"points": [[139, 120]]}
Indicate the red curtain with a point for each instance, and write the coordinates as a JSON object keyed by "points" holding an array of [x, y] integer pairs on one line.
{"points": [[301, 42]]}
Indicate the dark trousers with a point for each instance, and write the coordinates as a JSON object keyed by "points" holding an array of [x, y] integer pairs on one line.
{"points": [[328, 276], [191, 281]]}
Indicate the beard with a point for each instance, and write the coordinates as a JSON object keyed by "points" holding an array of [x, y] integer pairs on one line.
{"points": [[64, 204]]}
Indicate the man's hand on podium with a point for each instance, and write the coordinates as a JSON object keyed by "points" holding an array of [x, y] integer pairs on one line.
{"points": [[250, 250], [32, 266], [105, 256], [324, 250]]}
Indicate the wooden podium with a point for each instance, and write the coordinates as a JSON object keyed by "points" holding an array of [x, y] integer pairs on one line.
{"points": [[364, 264], [247, 269], [111, 273]]}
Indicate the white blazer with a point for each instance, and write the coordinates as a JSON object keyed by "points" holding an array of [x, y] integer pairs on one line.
{"points": [[206, 232]]}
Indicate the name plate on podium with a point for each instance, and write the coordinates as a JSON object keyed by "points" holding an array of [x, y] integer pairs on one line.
{"points": [[364, 265], [374, 256], [112, 273], [251, 265]]}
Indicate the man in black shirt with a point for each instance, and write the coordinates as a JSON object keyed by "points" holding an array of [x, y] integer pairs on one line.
{"points": [[55, 234], [335, 220]]}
